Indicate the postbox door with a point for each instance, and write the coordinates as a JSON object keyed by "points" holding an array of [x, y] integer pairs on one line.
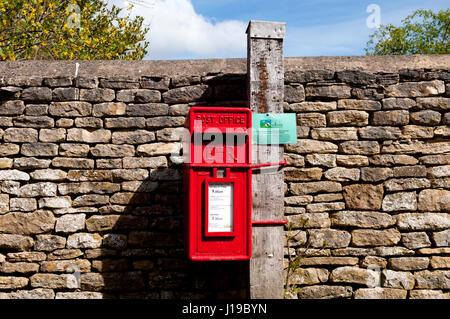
{"points": [[228, 236]]}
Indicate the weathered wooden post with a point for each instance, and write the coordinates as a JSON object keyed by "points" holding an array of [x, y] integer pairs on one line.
{"points": [[265, 94]]}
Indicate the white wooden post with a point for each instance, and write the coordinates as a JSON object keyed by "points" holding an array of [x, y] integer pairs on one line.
{"points": [[265, 94]]}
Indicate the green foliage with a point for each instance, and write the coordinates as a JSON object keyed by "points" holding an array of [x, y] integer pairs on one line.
{"points": [[69, 30], [293, 263], [422, 32], [296, 262]]}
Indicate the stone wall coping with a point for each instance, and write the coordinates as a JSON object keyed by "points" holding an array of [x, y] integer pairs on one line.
{"points": [[154, 68]]}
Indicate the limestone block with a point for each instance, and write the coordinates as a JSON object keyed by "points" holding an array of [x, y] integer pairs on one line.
{"points": [[70, 109], [361, 219], [48, 175], [311, 119], [88, 136], [34, 121], [415, 240], [16, 242], [148, 109], [65, 94], [437, 279], [39, 149], [409, 263], [434, 200], [335, 134], [350, 274], [133, 137], [348, 118], [20, 135], [328, 91], [416, 89], [138, 95], [423, 221], [39, 221], [375, 174], [311, 146], [328, 238], [53, 281], [36, 94], [112, 150], [325, 292], [84, 240], [400, 201], [49, 242], [186, 94], [109, 109], [302, 174], [52, 135], [14, 107], [9, 282], [363, 196], [315, 187], [370, 237], [360, 147], [97, 95], [70, 223], [397, 279], [427, 117], [397, 117], [380, 293]]}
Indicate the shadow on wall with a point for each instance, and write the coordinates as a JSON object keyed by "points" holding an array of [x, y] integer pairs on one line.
{"points": [[118, 228], [143, 254]]}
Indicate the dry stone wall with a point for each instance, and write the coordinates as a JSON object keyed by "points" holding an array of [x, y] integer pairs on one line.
{"points": [[90, 178], [367, 187], [90, 181]]}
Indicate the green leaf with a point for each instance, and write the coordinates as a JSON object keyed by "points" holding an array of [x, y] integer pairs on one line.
{"points": [[21, 35], [422, 32]]}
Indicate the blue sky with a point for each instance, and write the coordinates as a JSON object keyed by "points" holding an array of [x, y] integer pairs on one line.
{"points": [[194, 29]]}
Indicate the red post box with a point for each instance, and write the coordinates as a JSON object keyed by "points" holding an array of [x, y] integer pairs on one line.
{"points": [[217, 184]]}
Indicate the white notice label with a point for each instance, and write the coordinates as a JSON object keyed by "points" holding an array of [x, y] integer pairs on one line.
{"points": [[220, 207]]}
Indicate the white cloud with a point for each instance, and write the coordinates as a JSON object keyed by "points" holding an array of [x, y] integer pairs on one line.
{"points": [[177, 31]]}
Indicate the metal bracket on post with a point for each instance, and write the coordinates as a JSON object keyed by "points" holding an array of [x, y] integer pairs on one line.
{"points": [[269, 222], [284, 163]]}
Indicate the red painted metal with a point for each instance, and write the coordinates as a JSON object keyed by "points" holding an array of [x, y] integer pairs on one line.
{"points": [[209, 129], [270, 164], [269, 222]]}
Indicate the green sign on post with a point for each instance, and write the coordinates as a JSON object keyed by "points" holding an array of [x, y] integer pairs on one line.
{"points": [[274, 128]]}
